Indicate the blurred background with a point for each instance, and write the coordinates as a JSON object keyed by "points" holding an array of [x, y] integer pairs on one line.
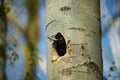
{"points": [[17, 15], [110, 24]]}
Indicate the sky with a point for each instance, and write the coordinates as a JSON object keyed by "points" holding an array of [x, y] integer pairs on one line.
{"points": [[111, 39]]}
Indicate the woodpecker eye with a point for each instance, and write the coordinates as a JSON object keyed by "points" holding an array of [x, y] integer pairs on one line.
{"points": [[60, 44]]}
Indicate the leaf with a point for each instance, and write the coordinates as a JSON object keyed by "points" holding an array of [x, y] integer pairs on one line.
{"points": [[15, 45], [39, 74], [31, 53], [113, 62], [104, 78], [10, 48], [111, 69], [7, 7]]}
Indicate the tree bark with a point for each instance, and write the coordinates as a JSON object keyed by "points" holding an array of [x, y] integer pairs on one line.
{"points": [[3, 28], [79, 23]]}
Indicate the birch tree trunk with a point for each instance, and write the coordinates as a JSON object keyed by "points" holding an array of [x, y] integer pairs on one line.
{"points": [[79, 23], [3, 29]]}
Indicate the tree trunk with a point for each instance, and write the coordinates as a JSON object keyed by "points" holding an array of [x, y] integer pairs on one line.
{"points": [[31, 37], [3, 29], [78, 21]]}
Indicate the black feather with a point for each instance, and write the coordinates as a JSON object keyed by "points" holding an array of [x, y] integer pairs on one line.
{"points": [[60, 44]]}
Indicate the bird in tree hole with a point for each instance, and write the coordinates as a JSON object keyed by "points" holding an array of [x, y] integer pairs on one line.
{"points": [[59, 44]]}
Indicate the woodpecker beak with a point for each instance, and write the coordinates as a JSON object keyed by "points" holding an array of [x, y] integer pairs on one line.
{"points": [[52, 38]]}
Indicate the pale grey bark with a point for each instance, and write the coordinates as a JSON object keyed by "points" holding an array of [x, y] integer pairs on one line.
{"points": [[79, 22]]}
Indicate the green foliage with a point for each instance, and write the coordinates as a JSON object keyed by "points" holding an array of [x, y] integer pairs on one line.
{"points": [[112, 73], [39, 74], [104, 78], [12, 56], [35, 56], [34, 59], [15, 45], [7, 7], [111, 69]]}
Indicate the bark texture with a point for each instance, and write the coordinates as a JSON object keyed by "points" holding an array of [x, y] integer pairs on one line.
{"points": [[79, 23]]}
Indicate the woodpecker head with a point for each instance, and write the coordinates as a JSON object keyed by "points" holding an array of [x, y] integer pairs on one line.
{"points": [[59, 36], [56, 37]]}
